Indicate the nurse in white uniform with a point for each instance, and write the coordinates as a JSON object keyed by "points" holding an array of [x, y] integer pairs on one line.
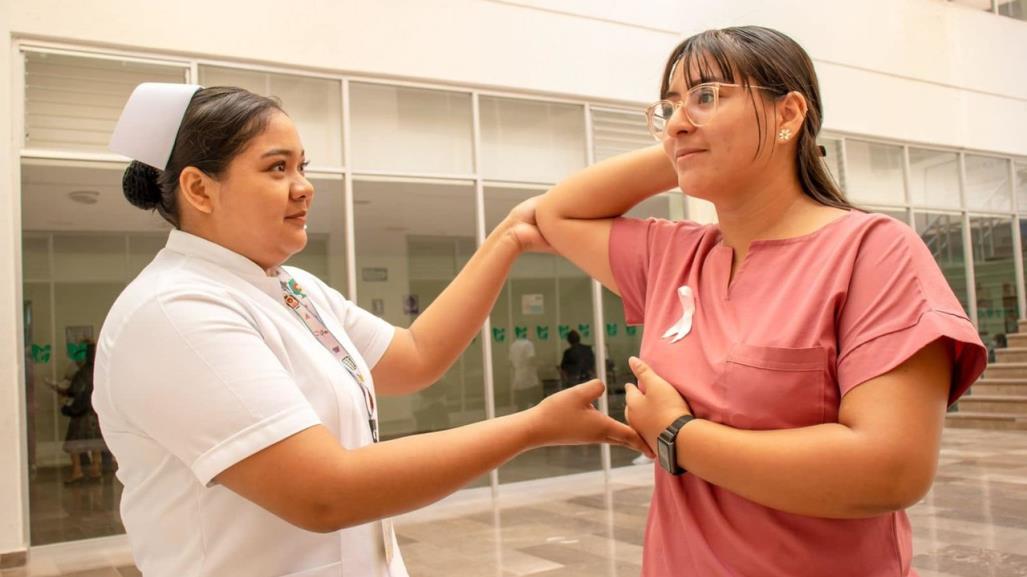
{"points": [[238, 394]]}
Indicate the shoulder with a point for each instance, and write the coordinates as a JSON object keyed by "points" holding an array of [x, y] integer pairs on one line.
{"points": [[660, 227]]}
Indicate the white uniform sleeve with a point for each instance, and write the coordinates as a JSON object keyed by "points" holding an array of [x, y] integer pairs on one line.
{"points": [[370, 334], [210, 389]]}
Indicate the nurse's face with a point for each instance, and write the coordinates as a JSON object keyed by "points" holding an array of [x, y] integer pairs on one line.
{"points": [[718, 160], [261, 201]]}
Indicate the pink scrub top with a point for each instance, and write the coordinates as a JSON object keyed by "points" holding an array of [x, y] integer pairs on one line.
{"points": [[804, 321]]}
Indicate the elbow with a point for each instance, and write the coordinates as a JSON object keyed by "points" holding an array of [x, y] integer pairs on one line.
{"points": [[900, 485], [546, 215], [321, 516]]}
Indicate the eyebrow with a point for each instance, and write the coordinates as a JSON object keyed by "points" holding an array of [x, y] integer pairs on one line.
{"points": [[282, 152]]}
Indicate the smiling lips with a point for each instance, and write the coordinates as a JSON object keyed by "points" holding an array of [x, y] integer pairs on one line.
{"points": [[686, 153]]}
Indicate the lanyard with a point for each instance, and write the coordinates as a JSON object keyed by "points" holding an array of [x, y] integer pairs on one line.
{"points": [[298, 302]]}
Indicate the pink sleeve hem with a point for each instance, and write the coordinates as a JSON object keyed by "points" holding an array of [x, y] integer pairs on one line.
{"points": [[886, 352]]}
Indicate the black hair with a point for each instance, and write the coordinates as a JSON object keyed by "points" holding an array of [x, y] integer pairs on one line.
{"points": [[764, 57], [573, 337], [218, 124]]}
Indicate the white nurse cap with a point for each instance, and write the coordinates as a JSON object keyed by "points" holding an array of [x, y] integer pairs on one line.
{"points": [[150, 120]]}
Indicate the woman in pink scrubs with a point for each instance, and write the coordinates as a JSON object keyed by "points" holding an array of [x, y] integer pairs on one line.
{"points": [[816, 346]]}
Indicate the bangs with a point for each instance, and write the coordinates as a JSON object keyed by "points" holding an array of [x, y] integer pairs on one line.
{"points": [[714, 56]]}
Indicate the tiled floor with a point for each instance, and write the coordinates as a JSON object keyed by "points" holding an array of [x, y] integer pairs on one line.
{"points": [[973, 523]]}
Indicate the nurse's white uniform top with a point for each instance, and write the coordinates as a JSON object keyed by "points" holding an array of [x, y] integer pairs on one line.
{"points": [[200, 365]]}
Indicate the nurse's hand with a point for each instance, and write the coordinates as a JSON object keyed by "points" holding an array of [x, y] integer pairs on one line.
{"points": [[519, 226], [654, 404], [570, 418]]}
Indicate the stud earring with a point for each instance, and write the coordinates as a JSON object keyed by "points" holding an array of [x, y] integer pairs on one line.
{"points": [[784, 135]]}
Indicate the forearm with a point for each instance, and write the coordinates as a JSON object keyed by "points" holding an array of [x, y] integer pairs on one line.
{"points": [[609, 188], [442, 332], [827, 470], [404, 474]]}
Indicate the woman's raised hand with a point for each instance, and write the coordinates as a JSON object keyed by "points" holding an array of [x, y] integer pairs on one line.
{"points": [[569, 418]]}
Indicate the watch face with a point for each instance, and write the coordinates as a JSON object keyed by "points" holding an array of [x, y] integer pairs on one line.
{"points": [[664, 453]]}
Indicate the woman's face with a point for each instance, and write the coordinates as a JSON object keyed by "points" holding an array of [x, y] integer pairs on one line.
{"points": [[260, 209], [717, 161]]}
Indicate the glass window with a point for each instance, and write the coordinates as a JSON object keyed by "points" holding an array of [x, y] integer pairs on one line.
{"points": [[943, 235], [1013, 8], [1020, 169], [411, 130], [531, 141], [833, 160], [325, 253], [617, 132], [987, 183], [411, 240], [313, 104], [73, 102], [934, 178], [898, 214], [994, 279], [83, 243], [874, 173], [545, 298], [624, 341]]}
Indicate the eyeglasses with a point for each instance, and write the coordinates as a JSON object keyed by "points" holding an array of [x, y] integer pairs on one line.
{"points": [[700, 104]]}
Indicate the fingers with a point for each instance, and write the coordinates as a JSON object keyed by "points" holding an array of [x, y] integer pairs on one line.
{"points": [[622, 434], [591, 390]]}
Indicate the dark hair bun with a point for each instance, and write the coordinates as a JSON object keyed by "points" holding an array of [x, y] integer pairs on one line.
{"points": [[140, 185]]}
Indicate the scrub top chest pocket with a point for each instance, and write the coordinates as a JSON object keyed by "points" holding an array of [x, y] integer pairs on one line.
{"points": [[775, 387]]}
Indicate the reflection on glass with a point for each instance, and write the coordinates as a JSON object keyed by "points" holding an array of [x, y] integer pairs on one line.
{"points": [[987, 183], [531, 141], [874, 173], [833, 160], [397, 129], [545, 299], [411, 240], [994, 279], [934, 178], [943, 235]]}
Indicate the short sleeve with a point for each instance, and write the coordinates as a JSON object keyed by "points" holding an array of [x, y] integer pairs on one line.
{"points": [[212, 392], [370, 334], [897, 303], [642, 250]]}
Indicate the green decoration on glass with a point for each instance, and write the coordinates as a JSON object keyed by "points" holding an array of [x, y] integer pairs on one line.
{"points": [[630, 330], [521, 332], [611, 329], [41, 354], [564, 331], [542, 332], [585, 329], [499, 334], [77, 352]]}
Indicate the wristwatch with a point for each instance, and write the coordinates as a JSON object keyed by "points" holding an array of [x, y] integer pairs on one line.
{"points": [[666, 445]]}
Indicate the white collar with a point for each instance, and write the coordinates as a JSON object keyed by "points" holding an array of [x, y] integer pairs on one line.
{"points": [[201, 248]]}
